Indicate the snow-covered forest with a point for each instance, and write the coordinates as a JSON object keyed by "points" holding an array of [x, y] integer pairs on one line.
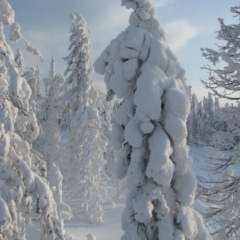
{"points": [[148, 160]]}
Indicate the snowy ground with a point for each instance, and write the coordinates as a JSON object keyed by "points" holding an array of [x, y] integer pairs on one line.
{"points": [[111, 227]]}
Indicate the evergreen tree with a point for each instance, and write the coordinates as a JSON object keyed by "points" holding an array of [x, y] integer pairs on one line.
{"points": [[51, 138], [24, 192], [208, 119], [216, 112], [210, 111], [105, 109], [85, 144], [193, 120], [32, 76], [200, 125], [150, 131], [205, 119]]}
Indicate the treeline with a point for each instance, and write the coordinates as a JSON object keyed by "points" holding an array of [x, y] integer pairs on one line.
{"points": [[213, 125]]}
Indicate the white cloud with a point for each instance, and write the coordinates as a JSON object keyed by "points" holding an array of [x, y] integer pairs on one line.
{"points": [[179, 33]]}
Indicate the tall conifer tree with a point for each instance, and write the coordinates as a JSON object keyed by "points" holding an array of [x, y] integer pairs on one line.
{"points": [[150, 130], [85, 144]]}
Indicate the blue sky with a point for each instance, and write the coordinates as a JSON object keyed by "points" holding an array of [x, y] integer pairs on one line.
{"points": [[189, 25]]}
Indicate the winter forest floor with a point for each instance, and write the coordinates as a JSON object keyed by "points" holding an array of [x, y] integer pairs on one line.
{"points": [[111, 226], [109, 229]]}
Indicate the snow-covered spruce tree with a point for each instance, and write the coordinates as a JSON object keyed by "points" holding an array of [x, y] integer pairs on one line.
{"points": [[51, 138], [208, 119], [33, 78], [223, 190], [32, 75], [193, 120], [210, 112], [85, 145], [216, 106], [105, 109], [150, 131], [24, 193], [48, 118], [200, 128]]}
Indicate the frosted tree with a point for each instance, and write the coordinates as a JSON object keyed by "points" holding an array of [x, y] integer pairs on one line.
{"points": [[222, 190], [224, 81], [85, 145], [150, 130], [48, 118], [32, 76], [210, 110], [52, 151], [208, 119], [105, 110], [24, 192], [200, 126], [193, 120], [216, 106]]}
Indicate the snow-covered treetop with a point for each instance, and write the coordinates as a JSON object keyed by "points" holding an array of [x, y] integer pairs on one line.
{"points": [[79, 69], [143, 41], [143, 16], [79, 63], [52, 69]]}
